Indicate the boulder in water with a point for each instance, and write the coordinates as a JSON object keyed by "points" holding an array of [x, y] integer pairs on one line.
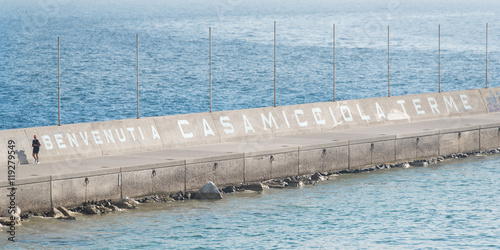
{"points": [[229, 189], [114, 208], [64, 211], [7, 218], [208, 191], [253, 186], [318, 177], [126, 202], [55, 213], [6, 212], [91, 209]]}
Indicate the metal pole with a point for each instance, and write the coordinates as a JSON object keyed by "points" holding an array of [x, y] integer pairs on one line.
{"points": [[58, 82], [274, 63], [210, 57], [486, 55], [334, 62], [439, 82], [137, 42], [388, 65]]}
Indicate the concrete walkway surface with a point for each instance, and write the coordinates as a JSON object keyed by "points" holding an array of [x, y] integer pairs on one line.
{"points": [[176, 156]]}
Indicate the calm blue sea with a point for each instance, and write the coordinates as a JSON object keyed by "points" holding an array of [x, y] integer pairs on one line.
{"points": [[452, 205]]}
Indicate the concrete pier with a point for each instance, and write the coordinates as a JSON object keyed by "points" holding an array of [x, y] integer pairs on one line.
{"points": [[161, 155]]}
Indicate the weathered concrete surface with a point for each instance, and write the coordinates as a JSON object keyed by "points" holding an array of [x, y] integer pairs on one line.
{"points": [[31, 195], [139, 182], [187, 130], [242, 125], [222, 170], [78, 141], [383, 151], [21, 143], [275, 163], [331, 157], [459, 140], [75, 141], [188, 168], [360, 155], [124, 136], [169, 179], [73, 190], [427, 146], [181, 153], [379, 150], [491, 98], [468, 141], [406, 148], [489, 136], [153, 179]]}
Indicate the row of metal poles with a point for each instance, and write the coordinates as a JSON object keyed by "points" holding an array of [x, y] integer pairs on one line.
{"points": [[334, 66]]}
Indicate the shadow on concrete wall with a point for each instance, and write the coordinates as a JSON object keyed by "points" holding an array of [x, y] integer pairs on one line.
{"points": [[23, 159]]}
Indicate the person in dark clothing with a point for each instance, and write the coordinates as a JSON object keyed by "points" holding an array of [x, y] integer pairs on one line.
{"points": [[36, 148]]}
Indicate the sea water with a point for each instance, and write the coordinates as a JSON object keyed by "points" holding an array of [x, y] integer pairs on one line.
{"points": [[450, 205]]}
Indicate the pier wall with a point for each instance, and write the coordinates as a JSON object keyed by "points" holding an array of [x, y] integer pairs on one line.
{"points": [[76, 141], [147, 134]]}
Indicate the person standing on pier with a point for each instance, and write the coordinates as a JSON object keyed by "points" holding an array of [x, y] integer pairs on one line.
{"points": [[36, 148]]}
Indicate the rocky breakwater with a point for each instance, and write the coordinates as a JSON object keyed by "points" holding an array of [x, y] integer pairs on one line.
{"points": [[88, 208], [211, 191], [208, 191]]}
